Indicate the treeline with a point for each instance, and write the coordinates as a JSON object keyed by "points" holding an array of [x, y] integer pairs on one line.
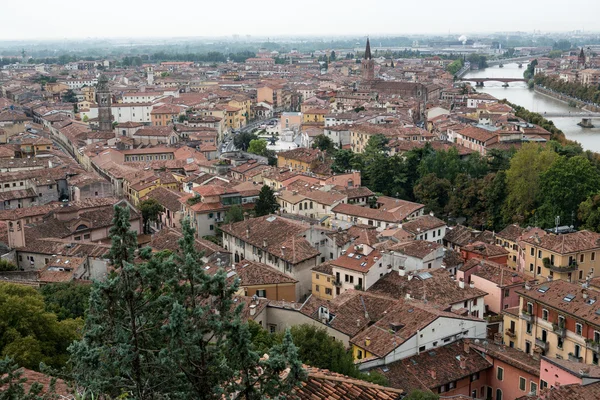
{"points": [[590, 94], [530, 186], [455, 66]]}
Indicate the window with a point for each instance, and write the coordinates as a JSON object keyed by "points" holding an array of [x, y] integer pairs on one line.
{"points": [[559, 342], [533, 387], [578, 329], [577, 351], [506, 292], [593, 256], [86, 236], [581, 257], [422, 348], [211, 227], [475, 376], [328, 291], [500, 374], [545, 315], [359, 354], [522, 384], [595, 358], [498, 394], [532, 251], [539, 254], [543, 384], [316, 288], [530, 267], [261, 293]]}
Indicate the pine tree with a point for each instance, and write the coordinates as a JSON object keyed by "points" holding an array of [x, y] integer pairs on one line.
{"points": [[167, 329], [266, 203]]}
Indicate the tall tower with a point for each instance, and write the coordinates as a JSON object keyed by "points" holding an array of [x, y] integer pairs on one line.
{"points": [[581, 60], [150, 73], [368, 65], [103, 99]]}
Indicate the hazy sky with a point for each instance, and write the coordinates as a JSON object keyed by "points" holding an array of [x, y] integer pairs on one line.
{"points": [[134, 18]]}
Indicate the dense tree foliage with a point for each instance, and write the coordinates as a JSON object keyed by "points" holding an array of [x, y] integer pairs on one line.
{"points": [[242, 140], [29, 333], [258, 147], [587, 93], [164, 328], [315, 348], [151, 210], [234, 214], [323, 143], [421, 395], [13, 383], [66, 300], [266, 203]]}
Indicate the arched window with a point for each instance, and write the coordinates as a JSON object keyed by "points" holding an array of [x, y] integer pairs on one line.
{"points": [[81, 227], [498, 394]]}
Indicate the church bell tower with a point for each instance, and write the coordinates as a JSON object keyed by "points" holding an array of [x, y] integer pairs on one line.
{"points": [[368, 65], [104, 100]]}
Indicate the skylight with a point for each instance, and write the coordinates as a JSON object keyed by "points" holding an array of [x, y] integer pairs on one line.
{"points": [[424, 275], [569, 297], [543, 289], [351, 255]]}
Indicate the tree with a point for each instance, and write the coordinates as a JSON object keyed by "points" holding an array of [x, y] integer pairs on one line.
{"points": [[12, 384], [567, 183], [342, 161], [30, 334], [323, 143], [6, 265], [69, 97], [433, 192], [266, 203], [421, 395], [523, 180], [332, 55], [258, 147], [66, 300], [242, 140], [589, 213], [234, 214], [85, 118], [166, 329], [151, 210]]}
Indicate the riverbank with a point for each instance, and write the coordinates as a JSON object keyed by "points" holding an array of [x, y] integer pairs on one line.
{"points": [[568, 100]]}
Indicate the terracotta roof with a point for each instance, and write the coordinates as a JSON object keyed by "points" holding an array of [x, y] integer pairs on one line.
{"points": [[511, 232], [364, 234], [567, 392], [168, 239], [434, 285], [567, 243], [485, 249], [323, 384], [301, 154], [422, 224], [168, 198], [416, 248], [434, 368], [500, 274], [355, 259], [253, 273], [324, 268], [278, 236], [516, 358]]}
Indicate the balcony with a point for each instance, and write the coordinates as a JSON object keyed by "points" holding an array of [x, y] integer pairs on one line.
{"points": [[559, 330], [594, 346], [337, 283], [511, 333], [574, 358], [541, 344], [563, 269], [526, 316]]}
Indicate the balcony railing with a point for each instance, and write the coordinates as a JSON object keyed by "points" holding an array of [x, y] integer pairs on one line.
{"points": [[337, 283], [573, 357], [567, 268], [541, 344], [559, 330], [594, 346], [526, 316], [511, 333]]}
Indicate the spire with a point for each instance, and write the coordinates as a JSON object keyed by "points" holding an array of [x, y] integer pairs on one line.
{"points": [[368, 50]]}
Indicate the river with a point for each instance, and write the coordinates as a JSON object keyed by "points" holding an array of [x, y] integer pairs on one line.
{"points": [[518, 93]]}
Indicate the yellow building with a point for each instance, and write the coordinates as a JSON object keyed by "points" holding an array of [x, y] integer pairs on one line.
{"points": [[243, 102], [322, 281], [300, 159], [139, 184], [569, 256], [555, 319], [509, 238], [359, 352], [314, 115], [234, 118], [89, 93], [34, 146]]}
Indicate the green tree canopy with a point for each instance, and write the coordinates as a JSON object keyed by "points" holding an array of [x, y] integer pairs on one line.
{"points": [[421, 395], [31, 334], [323, 143], [266, 203], [342, 161], [258, 147], [151, 210], [234, 214], [66, 300], [242, 140]]}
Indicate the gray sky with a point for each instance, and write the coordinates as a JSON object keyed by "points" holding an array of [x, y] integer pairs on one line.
{"points": [[37, 19]]}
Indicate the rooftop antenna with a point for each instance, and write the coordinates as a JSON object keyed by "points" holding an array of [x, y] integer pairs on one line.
{"points": [[556, 222]]}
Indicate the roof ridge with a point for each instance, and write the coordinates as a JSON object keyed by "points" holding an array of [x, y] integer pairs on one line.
{"points": [[356, 381]]}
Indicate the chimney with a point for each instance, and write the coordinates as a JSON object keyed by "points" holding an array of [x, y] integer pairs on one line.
{"points": [[407, 296], [410, 276], [401, 271], [466, 347], [463, 362], [514, 278], [431, 213], [367, 341], [247, 233], [264, 242], [252, 309], [472, 285], [461, 283], [432, 373], [584, 294]]}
